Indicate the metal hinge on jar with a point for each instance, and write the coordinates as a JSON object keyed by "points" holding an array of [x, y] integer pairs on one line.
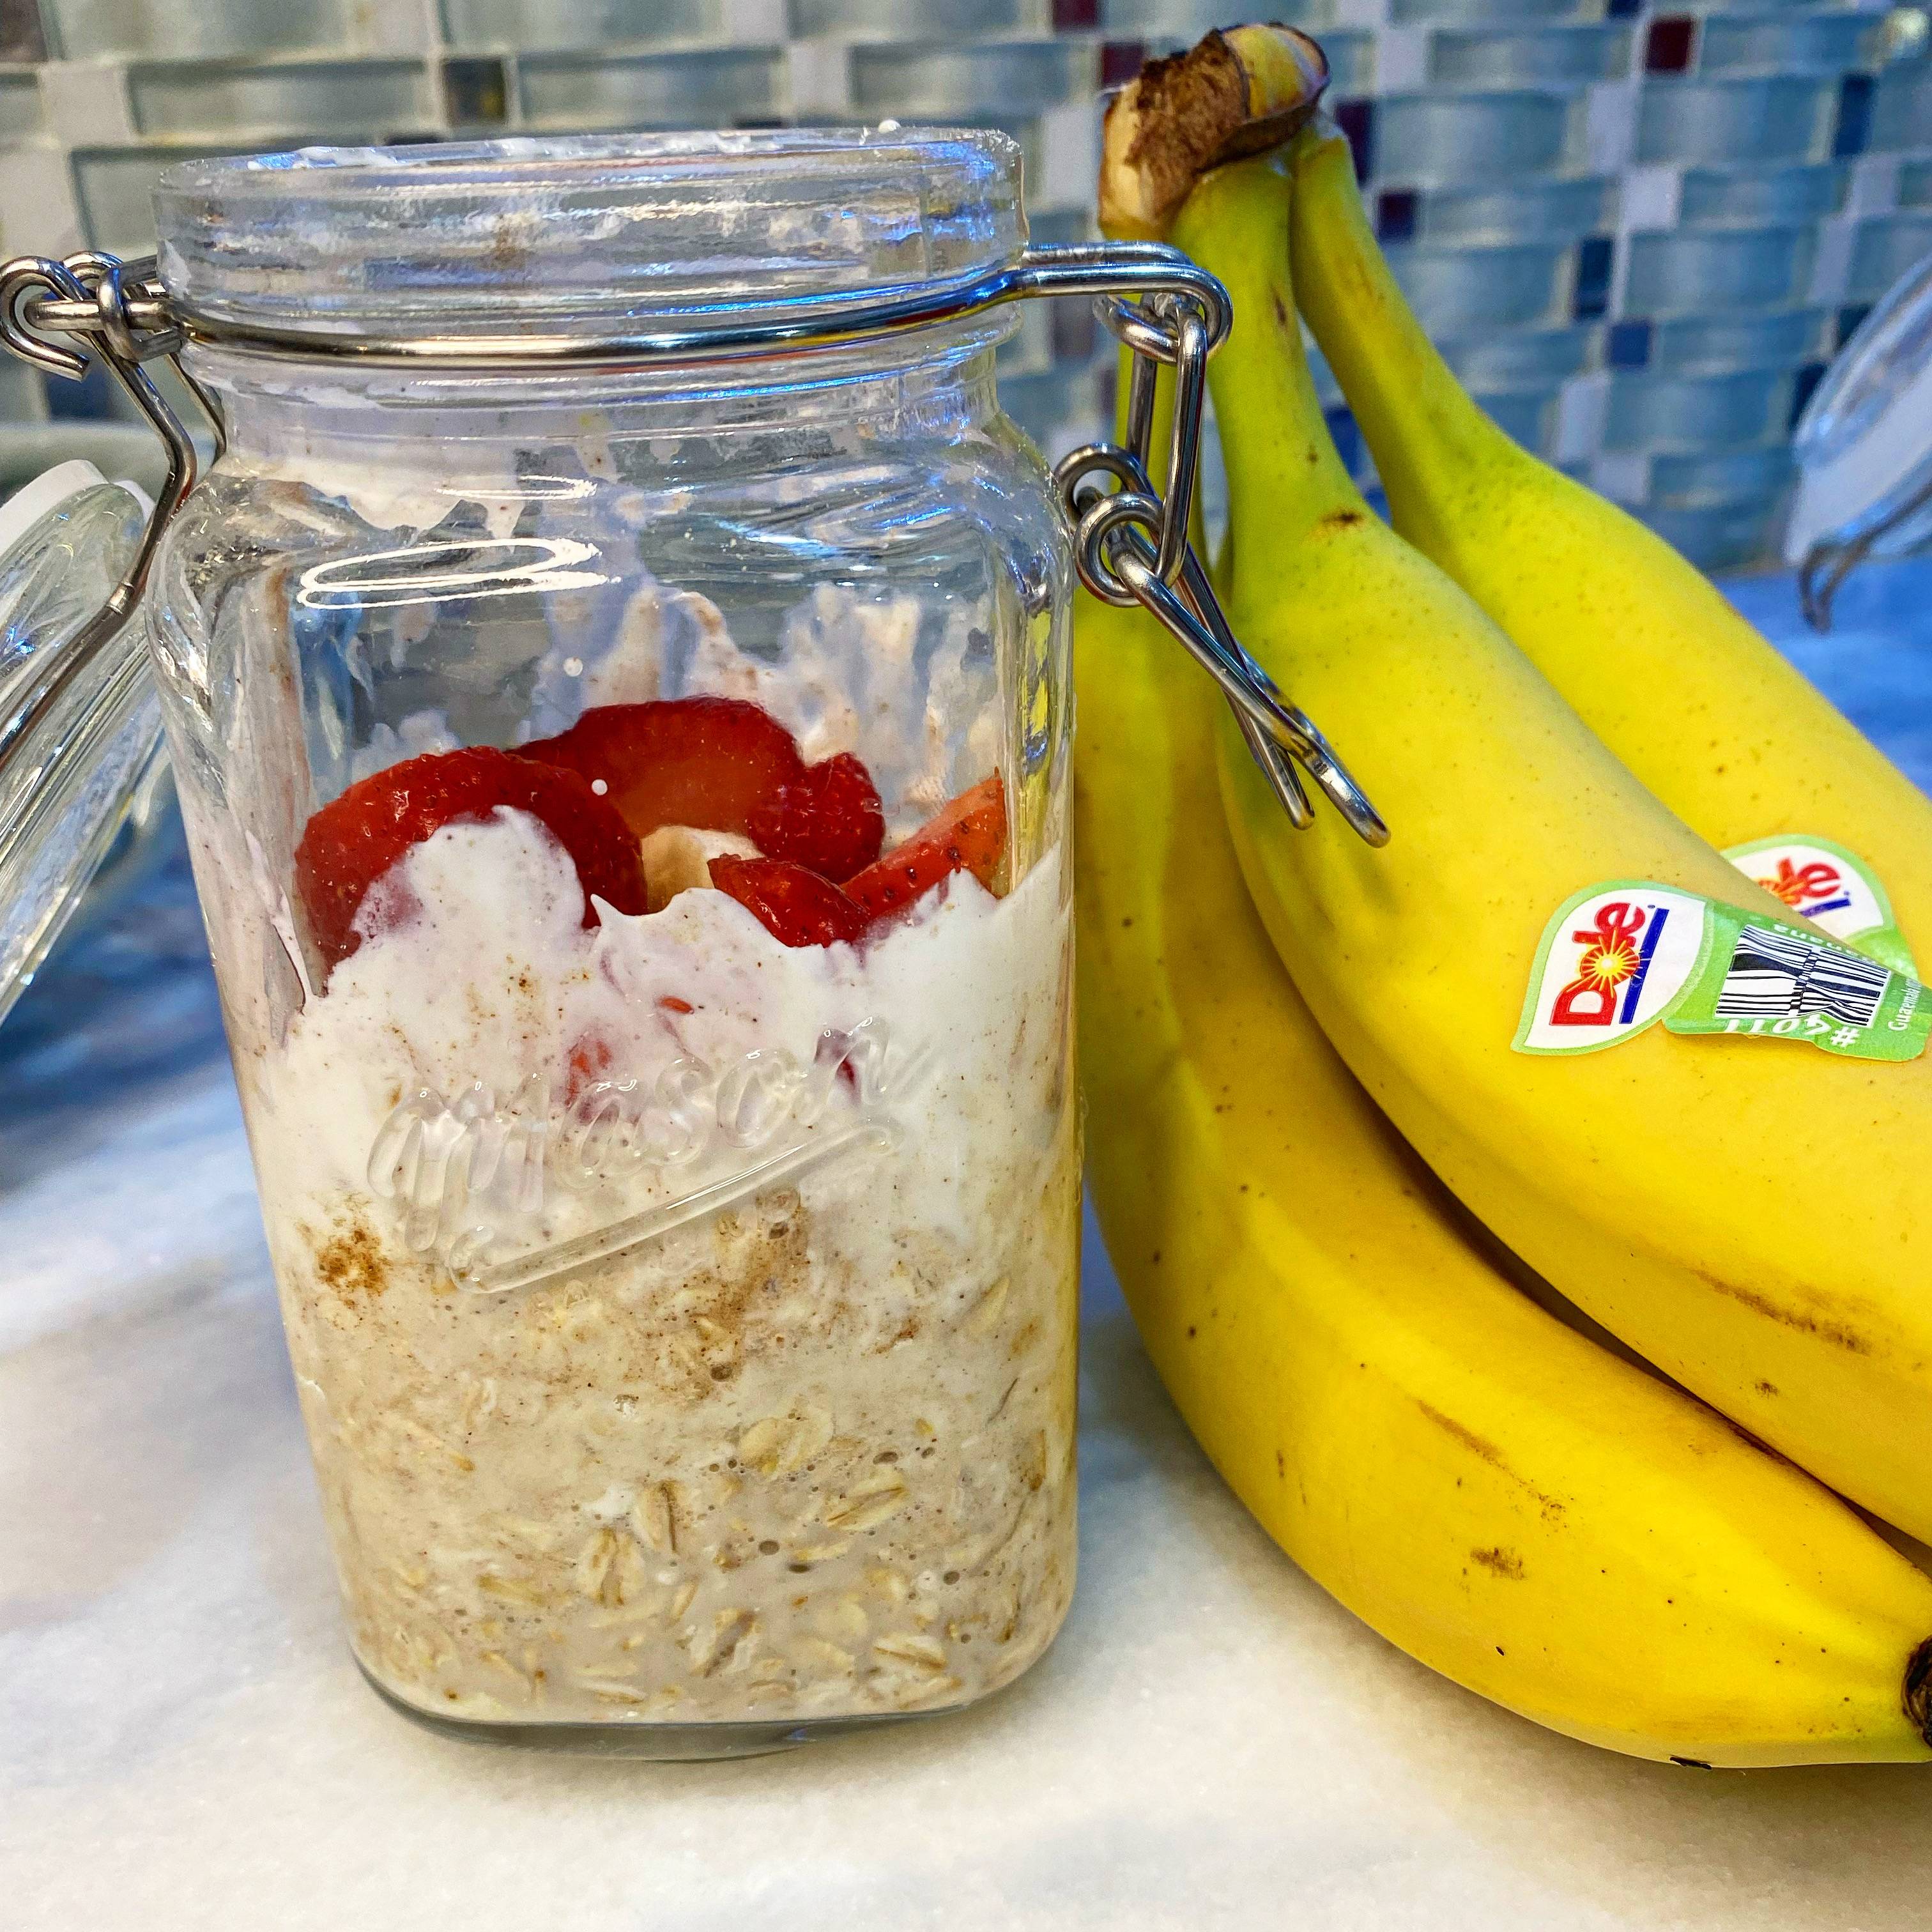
{"points": [[1131, 542]]}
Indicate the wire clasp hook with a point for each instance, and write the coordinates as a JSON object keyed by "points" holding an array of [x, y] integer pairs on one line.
{"points": [[1131, 547], [108, 305]]}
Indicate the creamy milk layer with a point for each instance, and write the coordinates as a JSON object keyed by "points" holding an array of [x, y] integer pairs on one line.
{"points": [[684, 1323]]}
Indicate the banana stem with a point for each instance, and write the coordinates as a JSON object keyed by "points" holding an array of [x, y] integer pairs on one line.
{"points": [[1233, 94], [1235, 224], [1424, 428]]}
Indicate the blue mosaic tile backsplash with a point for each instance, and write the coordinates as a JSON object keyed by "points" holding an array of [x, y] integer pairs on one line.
{"points": [[1639, 231]]}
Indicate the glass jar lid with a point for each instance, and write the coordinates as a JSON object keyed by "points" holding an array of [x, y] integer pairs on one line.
{"points": [[603, 236]]}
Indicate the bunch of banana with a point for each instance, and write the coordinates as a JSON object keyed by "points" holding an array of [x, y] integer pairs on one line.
{"points": [[1515, 1506], [1506, 1500], [1700, 707]]}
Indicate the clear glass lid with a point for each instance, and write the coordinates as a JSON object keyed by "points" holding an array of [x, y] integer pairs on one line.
{"points": [[591, 236]]}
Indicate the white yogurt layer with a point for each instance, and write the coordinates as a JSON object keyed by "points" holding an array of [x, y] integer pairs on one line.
{"points": [[606, 1430]]}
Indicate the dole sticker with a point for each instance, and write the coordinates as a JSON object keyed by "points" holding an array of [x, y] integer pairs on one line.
{"points": [[1613, 960], [1834, 888]]}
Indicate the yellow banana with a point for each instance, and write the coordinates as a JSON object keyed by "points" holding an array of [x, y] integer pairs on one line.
{"points": [[1523, 1511], [1698, 705], [1748, 1215]]}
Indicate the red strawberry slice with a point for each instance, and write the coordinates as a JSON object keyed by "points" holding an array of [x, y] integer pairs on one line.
{"points": [[967, 835], [700, 761], [827, 818], [796, 906], [354, 839]]}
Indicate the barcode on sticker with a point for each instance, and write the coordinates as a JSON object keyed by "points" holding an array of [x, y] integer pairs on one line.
{"points": [[1777, 974]]}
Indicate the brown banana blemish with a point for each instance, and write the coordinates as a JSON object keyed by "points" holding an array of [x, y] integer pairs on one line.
{"points": [[1918, 1690], [1839, 1334], [1482, 1447]]}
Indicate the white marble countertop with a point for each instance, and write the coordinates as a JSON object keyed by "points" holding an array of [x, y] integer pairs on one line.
{"points": [[1212, 1743]]}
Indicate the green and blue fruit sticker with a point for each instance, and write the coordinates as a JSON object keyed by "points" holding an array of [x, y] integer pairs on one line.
{"points": [[1618, 958]]}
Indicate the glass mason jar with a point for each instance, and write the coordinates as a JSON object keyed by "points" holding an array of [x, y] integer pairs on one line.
{"points": [[65, 540], [1863, 450], [616, 675], [631, 816]]}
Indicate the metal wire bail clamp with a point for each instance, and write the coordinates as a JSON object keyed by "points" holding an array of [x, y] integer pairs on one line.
{"points": [[107, 306], [1131, 547], [1826, 566]]}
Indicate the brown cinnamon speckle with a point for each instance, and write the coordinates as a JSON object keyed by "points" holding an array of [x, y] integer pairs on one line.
{"points": [[351, 1263]]}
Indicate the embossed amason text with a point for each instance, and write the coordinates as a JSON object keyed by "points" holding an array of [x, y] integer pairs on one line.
{"points": [[466, 1172]]}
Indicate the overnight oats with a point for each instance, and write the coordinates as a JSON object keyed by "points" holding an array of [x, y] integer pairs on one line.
{"points": [[672, 1180], [628, 796]]}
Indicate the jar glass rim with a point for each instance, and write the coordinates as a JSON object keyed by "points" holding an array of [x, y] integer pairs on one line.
{"points": [[591, 236]]}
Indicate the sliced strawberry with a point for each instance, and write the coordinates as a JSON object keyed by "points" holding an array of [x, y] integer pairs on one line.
{"points": [[354, 839], [967, 835], [704, 761], [588, 1062], [827, 818], [796, 906]]}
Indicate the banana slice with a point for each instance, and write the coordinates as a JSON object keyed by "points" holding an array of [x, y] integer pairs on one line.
{"points": [[678, 857]]}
